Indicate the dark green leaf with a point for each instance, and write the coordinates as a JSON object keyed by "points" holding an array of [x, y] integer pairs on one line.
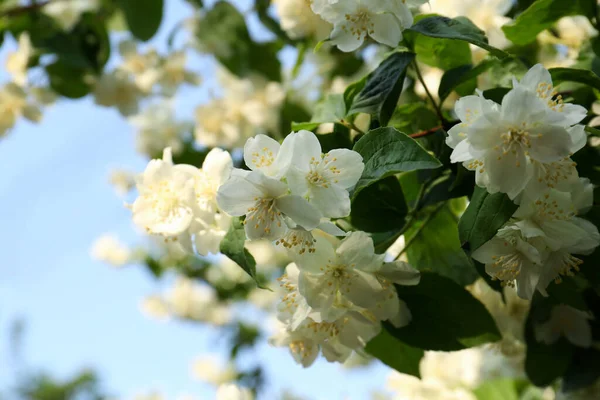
{"points": [[499, 389], [463, 79], [542, 15], [496, 94], [223, 32], [143, 17], [379, 207], [381, 91], [439, 309], [459, 28], [485, 214], [437, 248], [395, 354], [386, 151], [338, 139], [414, 117], [575, 75], [583, 371], [68, 81], [232, 246]]}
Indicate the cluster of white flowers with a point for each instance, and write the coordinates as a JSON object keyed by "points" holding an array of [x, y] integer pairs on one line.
{"points": [[178, 202], [189, 301], [354, 20], [248, 107], [523, 148]]}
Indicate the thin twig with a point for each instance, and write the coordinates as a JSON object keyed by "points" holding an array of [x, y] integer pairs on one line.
{"points": [[436, 106], [352, 125], [426, 133]]}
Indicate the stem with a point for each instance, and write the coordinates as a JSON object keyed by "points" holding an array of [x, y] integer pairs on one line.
{"points": [[426, 133], [418, 232], [436, 106], [352, 125]]}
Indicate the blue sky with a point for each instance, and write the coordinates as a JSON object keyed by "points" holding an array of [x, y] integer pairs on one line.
{"points": [[80, 313]]}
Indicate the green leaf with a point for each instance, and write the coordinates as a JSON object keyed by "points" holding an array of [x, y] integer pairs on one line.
{"points": [[544, 363], [485, 214], [331, 109], [499, 389], [583, 371], [67, 80], [460, 28], [444, 316], [542, 15], [143, 17], [223, 32], [496, 94], [414, 117], [380, 207], [386, 152], [381, 91], [395, 354], [463, 79], [437, 248], [232, 246], [574, 75], [338, 139]]}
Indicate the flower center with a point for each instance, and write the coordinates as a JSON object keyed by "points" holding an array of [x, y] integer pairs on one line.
{"points": [[551, 210], [264, 214], [569, 264], [546, 91], [264, 158], [508, 268], [359, 23], [298, 238]]}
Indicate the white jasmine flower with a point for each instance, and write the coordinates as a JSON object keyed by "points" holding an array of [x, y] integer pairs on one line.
{"points": [[488, 15], [502, 142], [116, 89], [349, 272], [323, 179], [233, 392], [143, 66], [262, 153], [67, 13], [354, 20], [167, 201], [298, 20], [265, 202], [14, 103], [16, 62], [515, 256], [122, 181], [568, 322], [157, 128], [107, 248], [173, 73], [210, 369], [303, 348], [190, 300]]}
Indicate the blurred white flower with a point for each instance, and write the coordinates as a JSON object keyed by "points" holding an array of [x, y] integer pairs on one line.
{"points": [[122, 181], [210, 369], [107, 248], [14, 103], [173, 73], [67, 13], [233, 392], [268, 256], [142, 66], [190, 300], [298, 20], [226, 272], [155, 307], [117, 89], [568, 322], [16, 62]]}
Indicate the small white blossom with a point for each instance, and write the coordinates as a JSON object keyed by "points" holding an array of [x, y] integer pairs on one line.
{"points": [[189, 300], [233, 392], [173, 73], [14, 103], [107, 248], [16, 62], [67, 13], [210, 369], [143, 66], [566, 321], [265, 202], [323, 179], [117, 89], [354, 20]]}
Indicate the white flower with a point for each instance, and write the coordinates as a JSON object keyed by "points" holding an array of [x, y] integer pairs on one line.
{"points": [[299, 21], [502, 144], [14, 103], [167, 200], [488, 15], [568, 322], [337, 277], [262, 153], [122, 181], [16, 62], [116, 89], [67, 13], [233, 392], [514, 255], [354, 20], [157, 128], [575, 31], [190, 300], [107, 248], [143, 66], [209, 369], [265, 202], [323, 179], [408, 387], [155, 307], [172, 73]]}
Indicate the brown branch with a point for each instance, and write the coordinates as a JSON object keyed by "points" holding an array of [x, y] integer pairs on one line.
{"points": [[11, 12], [425, 133]]}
